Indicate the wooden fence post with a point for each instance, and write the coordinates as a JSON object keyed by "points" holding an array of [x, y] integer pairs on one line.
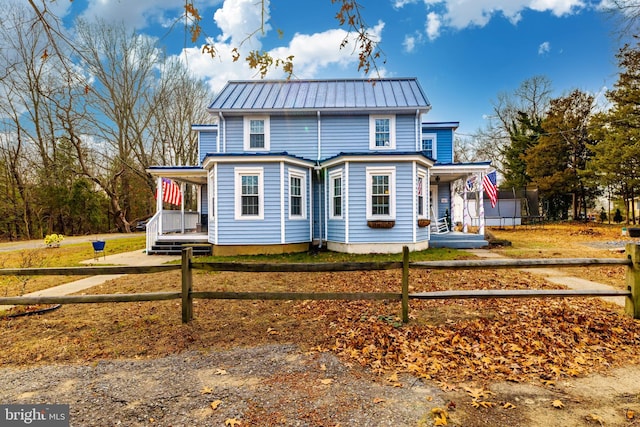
{"points": [[187, 285], [405, 284], [632, 302]]}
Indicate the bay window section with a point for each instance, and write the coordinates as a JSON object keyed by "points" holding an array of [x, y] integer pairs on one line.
{"points": [[249, 193]]}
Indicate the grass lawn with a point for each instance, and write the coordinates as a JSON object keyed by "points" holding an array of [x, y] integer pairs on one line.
{"points": [[67, 255]]}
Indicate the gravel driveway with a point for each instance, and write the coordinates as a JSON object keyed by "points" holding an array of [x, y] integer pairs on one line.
{"points": [[262, 386]]}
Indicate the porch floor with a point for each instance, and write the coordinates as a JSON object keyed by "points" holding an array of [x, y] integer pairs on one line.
{"points": [[457, 240]]}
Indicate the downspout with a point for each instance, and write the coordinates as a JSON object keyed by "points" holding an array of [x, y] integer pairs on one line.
{"points": [[321, 206], [418, 130], [222, 133]]}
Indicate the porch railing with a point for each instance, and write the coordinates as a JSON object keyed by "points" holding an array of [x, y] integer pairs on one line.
{"points": [[165, 222]]}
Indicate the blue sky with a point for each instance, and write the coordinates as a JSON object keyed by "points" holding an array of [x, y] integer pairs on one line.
{"points": [[463, 52]]}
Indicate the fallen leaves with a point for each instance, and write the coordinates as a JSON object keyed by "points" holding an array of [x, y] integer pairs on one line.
{"points": [[232, 422], [519, 341], [440, 416], [214, 405], [557, 404]]}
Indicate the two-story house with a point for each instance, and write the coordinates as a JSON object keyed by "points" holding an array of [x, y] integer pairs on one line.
{"points": [[345, 164]]}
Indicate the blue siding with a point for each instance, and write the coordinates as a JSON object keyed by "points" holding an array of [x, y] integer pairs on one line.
{"points": [[336, 227], [208, 143], [249, 232], [406, 132], [296, 230], [342, 134], [422, 233], [234, 135], [444, 193], [297, 135], [359, 231], [444, 148], [318, 206]]}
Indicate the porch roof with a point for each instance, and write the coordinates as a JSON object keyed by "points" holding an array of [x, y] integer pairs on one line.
{"points": [[190, 174], [448, 172], [391, 156]]}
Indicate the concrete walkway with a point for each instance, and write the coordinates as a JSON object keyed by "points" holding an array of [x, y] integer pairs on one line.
{"points": [[558, 277], [135, 258]]}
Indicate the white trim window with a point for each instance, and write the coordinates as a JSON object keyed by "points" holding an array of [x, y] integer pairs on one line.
{"points": [[381, 193], [428, 145], [297, 194], [335, 194], [249, 193], [382, 132], [421, 195], [257, 133]]}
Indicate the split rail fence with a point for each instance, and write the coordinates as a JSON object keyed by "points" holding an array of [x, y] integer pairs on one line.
{"points": [[187, 294]]}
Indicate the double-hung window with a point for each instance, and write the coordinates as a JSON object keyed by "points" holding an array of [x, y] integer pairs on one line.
{"points": [[421, 191], [381, 189], [429, 145], [297, 195], [335, 194], [249, 193], [256, 133], [382, 132]]}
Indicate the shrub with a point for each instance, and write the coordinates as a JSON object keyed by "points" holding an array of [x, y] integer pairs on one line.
{"points": [[53, 240]]}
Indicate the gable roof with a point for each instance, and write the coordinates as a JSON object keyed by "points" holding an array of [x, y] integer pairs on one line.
{"points": [[391, 94]]}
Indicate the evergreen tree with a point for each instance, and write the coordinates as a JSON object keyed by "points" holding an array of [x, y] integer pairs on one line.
{"points": [[616, 133], [556, 163]]}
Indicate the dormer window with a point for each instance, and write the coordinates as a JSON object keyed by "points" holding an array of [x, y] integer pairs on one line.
{"points": [[382, 132], [256, 134], [429, 145]]}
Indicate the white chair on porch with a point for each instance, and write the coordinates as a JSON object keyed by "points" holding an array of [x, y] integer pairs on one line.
{"points": [[439, 225]]}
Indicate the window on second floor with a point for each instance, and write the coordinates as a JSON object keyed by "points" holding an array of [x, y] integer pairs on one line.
{"points": [[249, 192], [297, 195], [381, 186], [256, 133], [382, 132], [429, 145], [335, 195]]}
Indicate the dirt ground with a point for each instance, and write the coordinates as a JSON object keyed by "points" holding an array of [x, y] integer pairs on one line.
{"points": [[463, 363]]}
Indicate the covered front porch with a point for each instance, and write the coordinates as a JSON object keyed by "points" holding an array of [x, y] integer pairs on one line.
{"points": [[181, 218], [453, 189]]}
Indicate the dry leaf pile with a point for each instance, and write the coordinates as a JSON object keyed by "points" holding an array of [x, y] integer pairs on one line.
{"points": [[545, 341]]}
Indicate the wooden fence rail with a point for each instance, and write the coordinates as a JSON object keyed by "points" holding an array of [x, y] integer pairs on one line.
{"points": [[632, 292]]}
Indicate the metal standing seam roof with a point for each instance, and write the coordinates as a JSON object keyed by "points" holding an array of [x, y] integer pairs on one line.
{"points": [[339, 94]]}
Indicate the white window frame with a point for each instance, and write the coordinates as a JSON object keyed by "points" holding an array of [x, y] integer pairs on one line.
{"points": [[391, 173], [392, 132], [425, 195], [337, 174], [239, 173], [247, 133], [294, 173], [434, 143]]}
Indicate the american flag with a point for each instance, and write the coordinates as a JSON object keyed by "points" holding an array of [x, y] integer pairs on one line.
{"points": [[171, 192], [489, 184]]}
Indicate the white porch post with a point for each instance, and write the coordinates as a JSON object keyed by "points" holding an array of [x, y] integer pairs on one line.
{"points": [[481, 209], [465, 208], [182, 208], [199, 206], [159, 204]]}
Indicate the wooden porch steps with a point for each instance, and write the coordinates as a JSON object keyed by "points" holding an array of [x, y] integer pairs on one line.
{"points": [[171, 247]]}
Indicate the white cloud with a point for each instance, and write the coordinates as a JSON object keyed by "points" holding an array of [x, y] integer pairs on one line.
{"points": [[239, 18], [460, 14], [409, 43], [545, 47], [138, 13], [432, 26], [314, 54]]}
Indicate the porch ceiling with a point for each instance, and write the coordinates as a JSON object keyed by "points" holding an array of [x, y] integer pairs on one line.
{"points": [[190, 175]]}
